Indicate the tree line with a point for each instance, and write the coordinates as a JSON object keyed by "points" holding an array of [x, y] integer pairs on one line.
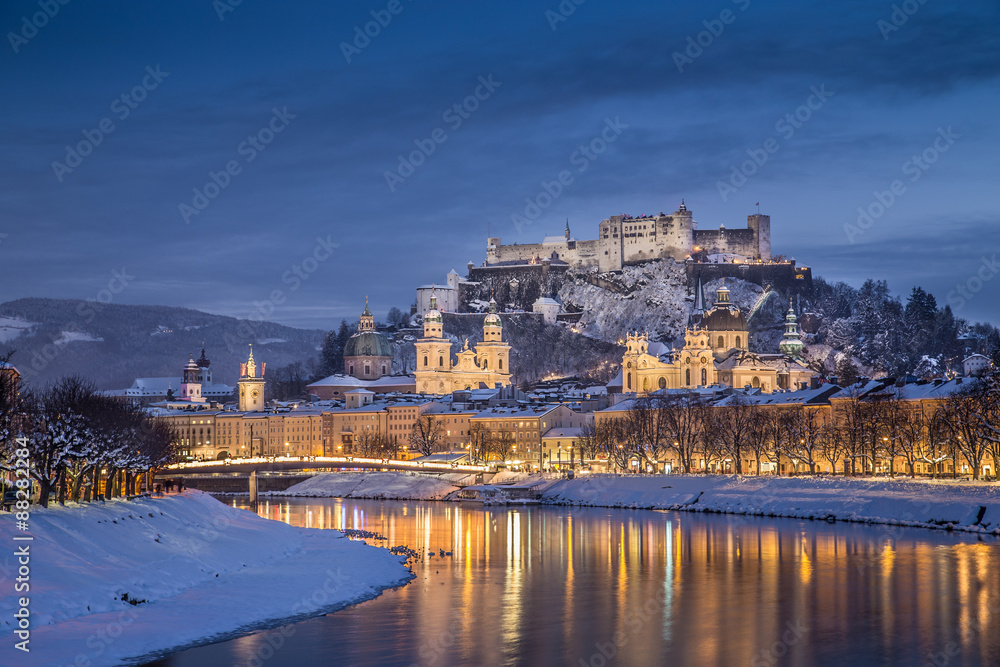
{"points": [[880, 429], [77, 437]]}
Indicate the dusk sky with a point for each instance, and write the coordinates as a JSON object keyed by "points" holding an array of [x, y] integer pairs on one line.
{"points": [[338, 110]]}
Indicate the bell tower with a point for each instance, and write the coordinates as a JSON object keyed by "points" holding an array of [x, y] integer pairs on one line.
{"points": [[251, 387]]}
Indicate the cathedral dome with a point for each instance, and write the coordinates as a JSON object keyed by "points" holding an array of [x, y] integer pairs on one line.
{"points": [[203, 361], [368, 344], [723, 319], [724, 315]]}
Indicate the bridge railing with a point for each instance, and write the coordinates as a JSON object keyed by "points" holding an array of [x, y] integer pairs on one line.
{"points": [[344, 460]]}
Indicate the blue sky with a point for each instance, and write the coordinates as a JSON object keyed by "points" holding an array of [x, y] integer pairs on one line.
{"points": [[696, 88]]}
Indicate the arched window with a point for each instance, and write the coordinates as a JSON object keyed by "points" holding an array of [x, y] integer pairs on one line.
{"points": [[441, 362], [722, 342], [755, 383], [500, 364], [738, 342], [663, 383], [425, 362], [629, 377], [486, 363], [687, 377], [704, 377], [645, 384]]}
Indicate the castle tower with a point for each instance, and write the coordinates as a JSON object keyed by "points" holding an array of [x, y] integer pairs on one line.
{"points": [[493, 354], [433, 354], [191, 382], [251, 387], [761, 226], [791, 344]]}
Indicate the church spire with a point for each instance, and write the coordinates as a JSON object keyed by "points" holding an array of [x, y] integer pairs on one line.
{"points": [[791, 343], [367, 322]]}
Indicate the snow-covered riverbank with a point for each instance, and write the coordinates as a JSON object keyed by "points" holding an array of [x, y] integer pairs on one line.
{"points": [[973, 507], [380, 485], [933, 504], [199, 569]]}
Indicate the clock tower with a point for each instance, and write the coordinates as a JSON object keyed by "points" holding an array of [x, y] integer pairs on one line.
{"points": [[251, 387]]}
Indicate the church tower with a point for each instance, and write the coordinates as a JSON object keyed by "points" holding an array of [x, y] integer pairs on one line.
{"points": [[191, 382], [251, 387], [433, 354], [791, 344], [493, 354]]}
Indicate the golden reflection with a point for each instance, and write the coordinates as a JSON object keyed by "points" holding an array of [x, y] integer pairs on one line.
{"points": [[680, 588]]}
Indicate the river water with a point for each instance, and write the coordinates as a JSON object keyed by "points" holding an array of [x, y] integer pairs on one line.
{"points": [[590, 586]]}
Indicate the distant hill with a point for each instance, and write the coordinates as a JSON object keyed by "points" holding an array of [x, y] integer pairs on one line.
{"points": [[113, 344]]}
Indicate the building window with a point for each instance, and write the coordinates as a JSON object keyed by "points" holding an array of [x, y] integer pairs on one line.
{"points": [[425, 360], [501, 364], [755, 383], [704, 377], [687, 377], [738, 342], [663, 383], [722, 343], [441, 361]]}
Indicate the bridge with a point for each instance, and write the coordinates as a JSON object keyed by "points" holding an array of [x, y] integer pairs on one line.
{"points": [[277, 473]]}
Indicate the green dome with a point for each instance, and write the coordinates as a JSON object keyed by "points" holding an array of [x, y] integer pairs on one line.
{"points": [[368, 344]]}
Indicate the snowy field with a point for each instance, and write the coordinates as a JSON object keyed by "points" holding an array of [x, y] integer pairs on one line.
{"points": [[905, 502], [387, 485], [200, 570]]}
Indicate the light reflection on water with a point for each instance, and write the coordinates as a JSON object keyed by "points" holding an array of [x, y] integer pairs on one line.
{"points": [[590, 586]]}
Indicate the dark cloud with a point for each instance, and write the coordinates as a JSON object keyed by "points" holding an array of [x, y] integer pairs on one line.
{"points": [[324, 175]]}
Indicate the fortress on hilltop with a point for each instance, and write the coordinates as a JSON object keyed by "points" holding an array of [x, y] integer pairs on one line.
{"points": [[623, 240]]}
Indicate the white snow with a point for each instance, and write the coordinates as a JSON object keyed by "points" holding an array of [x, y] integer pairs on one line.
{"points": [[388, 485], [205, 570], [269, 341], [12, 327], [907, 502], [66, 337]]}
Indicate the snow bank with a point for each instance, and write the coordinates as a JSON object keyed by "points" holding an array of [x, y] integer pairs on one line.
{"points": [[387, 485], [971, 507], [201, 569]]}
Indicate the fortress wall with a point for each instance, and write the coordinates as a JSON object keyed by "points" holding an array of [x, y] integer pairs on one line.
{"points": [[534, 281], [786, 278], [737, 241]]}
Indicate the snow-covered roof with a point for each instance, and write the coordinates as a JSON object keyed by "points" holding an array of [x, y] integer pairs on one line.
{"points": [[546, 301], [339, 380], [574, 432]]}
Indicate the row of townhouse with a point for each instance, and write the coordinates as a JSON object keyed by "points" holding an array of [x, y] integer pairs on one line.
{"points": [[338, 431]]}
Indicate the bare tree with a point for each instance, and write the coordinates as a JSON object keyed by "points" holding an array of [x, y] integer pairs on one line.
{"points": [[502, 445], [427, 434], [480, 441], [962, 416], [682, 428]]}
